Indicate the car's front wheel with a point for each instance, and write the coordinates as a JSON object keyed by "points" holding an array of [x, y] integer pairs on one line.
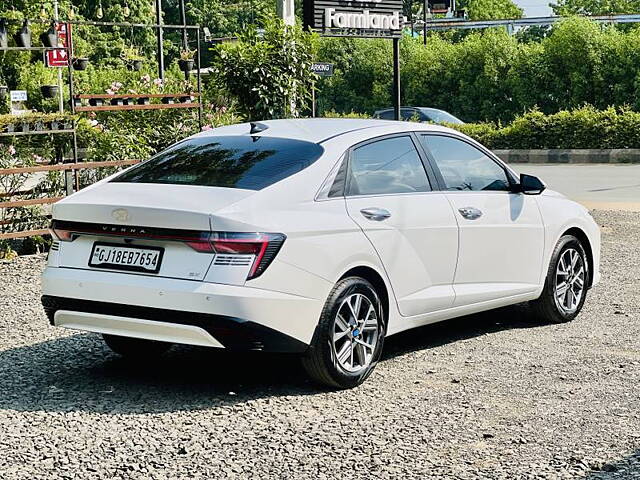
{"points": [[348, 340], [135, 347], [566, 284]]}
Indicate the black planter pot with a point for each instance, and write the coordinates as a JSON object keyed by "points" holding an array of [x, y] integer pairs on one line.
{"points": [[4, 38], [49, 91], [117, 101], [76, 102], [143, 101], [96, 102], [50, 37], [137, 65], [186, 99], [23, 37], [3, 92], [80, 63], [185, 65], [168, 100]]}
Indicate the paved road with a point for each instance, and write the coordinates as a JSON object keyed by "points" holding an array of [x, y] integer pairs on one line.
{"points": [[606, 187]]}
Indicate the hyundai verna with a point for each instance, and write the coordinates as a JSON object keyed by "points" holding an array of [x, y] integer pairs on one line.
{"points": [[320, 237]]}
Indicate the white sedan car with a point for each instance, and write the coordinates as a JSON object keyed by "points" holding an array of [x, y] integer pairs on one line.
{"points": [[319, 237]]}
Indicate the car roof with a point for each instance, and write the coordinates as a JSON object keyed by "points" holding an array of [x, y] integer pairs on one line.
{"points": [[315, 130]]}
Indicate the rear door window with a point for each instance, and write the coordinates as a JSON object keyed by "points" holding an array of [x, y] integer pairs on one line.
{"points": [[241, 161], [390, 165]]}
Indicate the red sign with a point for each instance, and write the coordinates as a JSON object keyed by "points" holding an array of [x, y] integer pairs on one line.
{"points": [[58, 57]]}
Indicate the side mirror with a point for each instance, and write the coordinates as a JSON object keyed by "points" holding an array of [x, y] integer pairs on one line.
{"points": [[529, 185]]}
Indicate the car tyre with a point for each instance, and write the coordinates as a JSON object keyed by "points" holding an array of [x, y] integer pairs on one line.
{"points": [[348, 340], [137, 348], [566, 283]]}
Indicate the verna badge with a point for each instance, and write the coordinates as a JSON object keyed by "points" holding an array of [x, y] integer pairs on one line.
{"points": [[120, 214]]}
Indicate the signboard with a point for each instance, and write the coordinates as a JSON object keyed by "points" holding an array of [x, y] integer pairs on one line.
{"points": [[58, 57], [18, 97], [322, 69], [354, 18]]}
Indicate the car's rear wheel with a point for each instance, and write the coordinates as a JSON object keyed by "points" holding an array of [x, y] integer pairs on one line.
{"points": [[348, 340], [566, 284], [135, 347]]}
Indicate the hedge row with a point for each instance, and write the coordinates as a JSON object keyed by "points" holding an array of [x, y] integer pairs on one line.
{"points": [[586, 127]]}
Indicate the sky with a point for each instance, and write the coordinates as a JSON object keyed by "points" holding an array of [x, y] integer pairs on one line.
{"points": [[535, 8]]}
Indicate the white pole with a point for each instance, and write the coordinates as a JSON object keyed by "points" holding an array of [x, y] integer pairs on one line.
{"points": [[286, 11]]}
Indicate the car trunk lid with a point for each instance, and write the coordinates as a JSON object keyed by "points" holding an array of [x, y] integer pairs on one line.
{"points": [[134, 217]]}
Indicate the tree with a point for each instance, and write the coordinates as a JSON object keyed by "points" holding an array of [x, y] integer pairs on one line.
{"points": [[270, 75], [595, 7], [491, 9]]}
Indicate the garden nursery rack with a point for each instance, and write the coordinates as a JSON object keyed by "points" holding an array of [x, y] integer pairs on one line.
{"points": [[87, 102]]}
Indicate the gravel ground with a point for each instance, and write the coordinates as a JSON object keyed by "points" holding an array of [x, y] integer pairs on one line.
{"points": [[489, 396]]}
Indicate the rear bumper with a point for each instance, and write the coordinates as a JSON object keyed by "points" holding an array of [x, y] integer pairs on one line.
{"points": [[179, 311]]}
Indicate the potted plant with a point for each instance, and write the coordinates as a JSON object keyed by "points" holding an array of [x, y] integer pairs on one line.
{"points": [[132, 57], [23, 123], [49, 38], [39, 123], [80, 63], [49, 87], [96, 102], [4, 39], [49, 91], [3, 90], [23, 37], [5, 121], [186, 60]]}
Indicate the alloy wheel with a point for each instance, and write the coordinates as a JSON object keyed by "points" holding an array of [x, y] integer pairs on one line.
{"points": [[570, 280], [355, 334]]}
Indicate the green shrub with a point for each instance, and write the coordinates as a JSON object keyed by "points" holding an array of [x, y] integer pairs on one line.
{"points": [[268, 74], [585, 127], [334, 114]]}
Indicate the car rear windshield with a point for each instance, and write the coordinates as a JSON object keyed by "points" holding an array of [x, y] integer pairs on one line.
{"points": [[246, 162]]}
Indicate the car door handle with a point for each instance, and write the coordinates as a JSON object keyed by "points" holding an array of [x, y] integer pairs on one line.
{"points": [[470, 213], [377, 214]]}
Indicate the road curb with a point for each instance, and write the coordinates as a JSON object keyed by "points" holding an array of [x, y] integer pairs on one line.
{"points": [[565, 156]]}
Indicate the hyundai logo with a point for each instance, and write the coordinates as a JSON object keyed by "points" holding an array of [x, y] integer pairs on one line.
{"points": [[120, 214]]}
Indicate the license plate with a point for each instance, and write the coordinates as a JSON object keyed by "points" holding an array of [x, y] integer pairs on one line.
{"points": [[121, 257]]}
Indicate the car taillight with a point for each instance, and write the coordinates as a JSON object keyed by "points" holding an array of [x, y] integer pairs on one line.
{"points": [[263, 246], [60, 234]]}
